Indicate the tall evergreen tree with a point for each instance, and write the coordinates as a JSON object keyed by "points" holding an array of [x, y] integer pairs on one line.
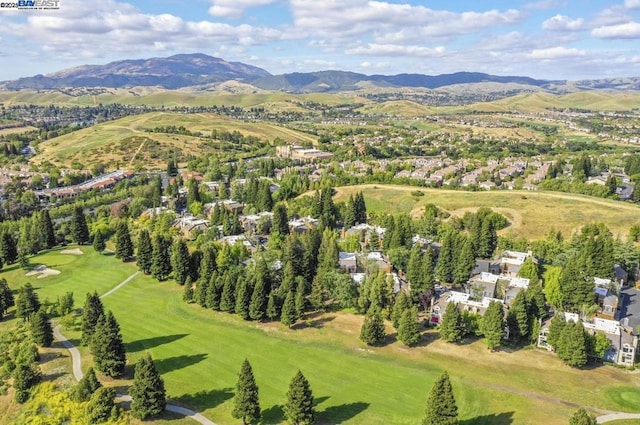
{"points": [[8, 248], [6, 297], [25, 376], [301, 297], [227, 299], [360, 208], [213, 292], [409, 329], [452, 327], [518, 317], [414, 270], [556, 326], [258, 304], [180, 261], [243, 298], [46, 229], [101, 405], [109, 354], [572, 346], [79, 229], [144, 256], [208, 264], [576, 287], [246, 403], [492, 325], [582, 417], [280, 220], [124, 246], [402, 302], [148, 392], [99, 243], [349, 217], [441, 404], [161, 257], [41, 330], [465, 262], [288, 316], [372, 331], [27, 302], [446, 265], [88, 385], [299, 407], [187, 295], [273, 310], [488, 239], [91, 312]]}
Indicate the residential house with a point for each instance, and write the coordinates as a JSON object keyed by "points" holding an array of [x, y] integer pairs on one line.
{"points": [[348, 262], [189, 226], [607, 294], [376, 258], [511, 261], [465, 302]]}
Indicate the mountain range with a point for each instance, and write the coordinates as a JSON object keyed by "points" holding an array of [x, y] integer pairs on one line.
{"points": [[188, 70]]}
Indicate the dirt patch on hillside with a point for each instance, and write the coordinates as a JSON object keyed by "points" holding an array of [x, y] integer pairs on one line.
{"points": [[41, 271], [75, 251]]}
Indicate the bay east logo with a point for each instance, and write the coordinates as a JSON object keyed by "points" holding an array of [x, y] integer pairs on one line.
{"points": [[38, 4]]}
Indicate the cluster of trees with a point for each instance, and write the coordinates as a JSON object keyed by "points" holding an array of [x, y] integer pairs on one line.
{"points": [[298, 408]]}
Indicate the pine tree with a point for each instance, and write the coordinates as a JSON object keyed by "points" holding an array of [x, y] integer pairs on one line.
{"points": [[246, 404], [98, 242], [101, 405], [301, 297], [446, 266], [148, 392], [124, 246], [518, 317], [91, 312], [582, 417], [227, 299], [46, 230], [317, 296], [465, 262], [79, 229], [180, 261], [8, 248], [144, 256], [272, 306], [41, 330], [88, 385], [299, 407], [372, 331], [27, 302], [556, 327], [280, 220], [451, 327], [441, 404], [402, 303], [492, 325], [213, 292], [529, 270], [360, 208], [488, 239], [208, 263], [108, 350], [288, 316], [575, 286], [6, 297], [409, 329], [349, 217], [243, 298], [161, 257], [25, 376], [414, 270], [258, 304], [187, 295], [572, 346]]}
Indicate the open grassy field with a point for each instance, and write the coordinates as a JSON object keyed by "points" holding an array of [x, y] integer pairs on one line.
{"points": [[199, 353], [125, 140], [16, 130], [531, 214]]}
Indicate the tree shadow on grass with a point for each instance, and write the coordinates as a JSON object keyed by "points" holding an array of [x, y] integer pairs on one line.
{"points": [[205, 399], [505, 418], [156, 341], [178, 362], [341, 413], [273, 415]]}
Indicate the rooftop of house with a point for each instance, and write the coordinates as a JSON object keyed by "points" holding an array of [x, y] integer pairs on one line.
{"points": [[516, 258]]}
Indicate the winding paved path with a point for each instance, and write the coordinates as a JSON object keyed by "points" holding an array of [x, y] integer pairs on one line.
{"points": [[617, 417], [77, 367]]}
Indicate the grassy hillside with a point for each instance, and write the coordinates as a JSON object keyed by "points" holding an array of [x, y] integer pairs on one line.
{"points": [[199, 353], [154, 96], [125, 141], [531, 214]]}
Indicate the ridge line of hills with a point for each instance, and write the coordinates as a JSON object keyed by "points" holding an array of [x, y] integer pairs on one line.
{"points": [[199, 70]]}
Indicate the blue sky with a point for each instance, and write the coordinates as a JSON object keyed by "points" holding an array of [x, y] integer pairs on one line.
{"points": [[551, 39]]}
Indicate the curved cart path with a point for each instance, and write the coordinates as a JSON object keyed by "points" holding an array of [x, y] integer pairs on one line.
{"points": [[77, 367]]}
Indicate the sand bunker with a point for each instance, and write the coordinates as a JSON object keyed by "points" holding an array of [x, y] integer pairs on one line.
{"points": [[75, 251], [41, 271]]}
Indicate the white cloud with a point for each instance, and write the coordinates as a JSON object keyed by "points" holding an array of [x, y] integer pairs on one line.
{"points": [[546, 4], [611, 16], [563, 23], [373, 49], [558, 52], [632, 4], [234, 8], [628, 30]]}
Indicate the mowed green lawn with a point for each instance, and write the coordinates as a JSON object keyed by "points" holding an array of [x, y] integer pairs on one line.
{"points": [[199, 353], [530, 214]]}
